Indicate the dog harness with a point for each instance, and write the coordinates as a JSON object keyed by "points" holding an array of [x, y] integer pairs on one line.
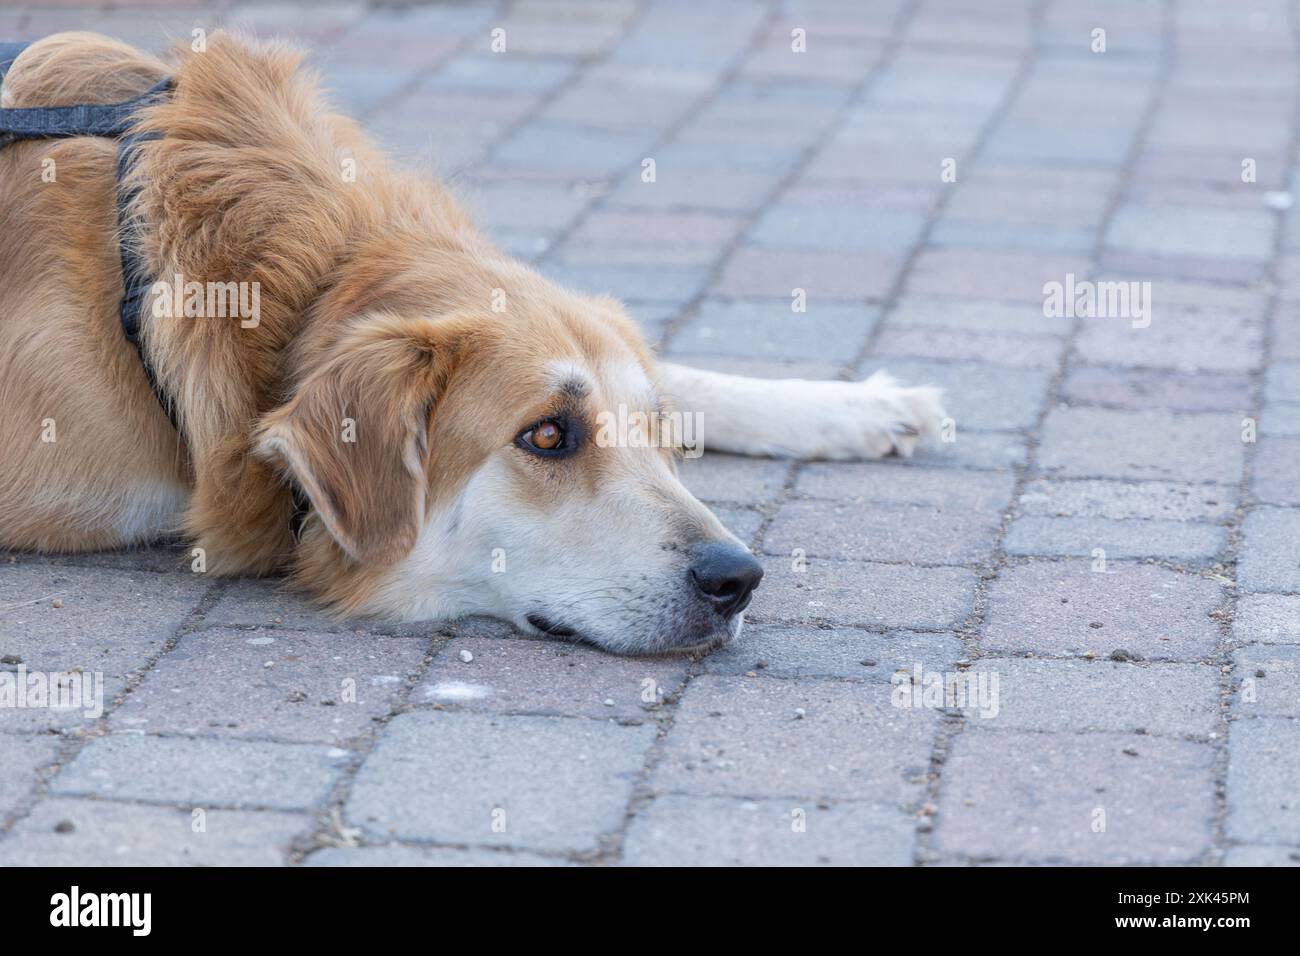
{"points": [[113, 121]]}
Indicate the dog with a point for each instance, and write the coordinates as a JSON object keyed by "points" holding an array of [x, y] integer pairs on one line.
{"points": [[438, 410]]}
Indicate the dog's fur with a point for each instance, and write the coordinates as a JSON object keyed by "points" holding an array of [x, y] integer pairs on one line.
{"points": [[376, 307]]}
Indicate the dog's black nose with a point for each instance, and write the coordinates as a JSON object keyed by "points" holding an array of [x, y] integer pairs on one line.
{"points": [[727, 576]]}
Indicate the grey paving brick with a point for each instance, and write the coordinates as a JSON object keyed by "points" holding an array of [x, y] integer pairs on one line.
{"points": [[1263, 780], [976, 397], [1269, 560], [200, 772], [981, 234], [1220, 233], [715, 476], [395, 854], [828, 225], [1051, 607], [974, 315], [575, 149], [1145, 389], [676, 188], [743, 522], [995, 348], [845, 652], [287, 685], [1044, 796], [736, 736], [1267, 619], [548, 783], [882, 533], [1276, 476], [1010, 276], [548, 677], [1267, 679], [1123, 500], [712, 831], [1282, 382], [1175, 339], [1262, 856], [1280, 419], [107, 623], [1080, 537], [862, 593], [973, 449], [1082, 695], [759, 272], [1102, 443], [64, 831], [22, 755], [769, 328], [883, 483]]}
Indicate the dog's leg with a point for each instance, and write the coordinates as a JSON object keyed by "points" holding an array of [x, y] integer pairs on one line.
{"points": [[796, 418]]}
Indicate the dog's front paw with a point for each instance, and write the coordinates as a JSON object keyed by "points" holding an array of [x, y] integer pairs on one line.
{"points": [[879, 417]]}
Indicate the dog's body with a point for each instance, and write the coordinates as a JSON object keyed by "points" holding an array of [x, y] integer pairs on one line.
{"points": [[406, 374]]}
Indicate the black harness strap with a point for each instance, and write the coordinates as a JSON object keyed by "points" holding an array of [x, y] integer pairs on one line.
{"points": [[113, 121]]}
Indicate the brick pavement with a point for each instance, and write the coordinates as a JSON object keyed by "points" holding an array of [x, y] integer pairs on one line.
{"points": [[1099, 538]]}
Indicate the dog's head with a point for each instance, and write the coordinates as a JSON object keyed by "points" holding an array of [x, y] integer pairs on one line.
{"points": [[509, 456]]}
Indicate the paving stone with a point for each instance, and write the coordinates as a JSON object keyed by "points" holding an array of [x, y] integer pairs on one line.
{"points": [[951, 233], [1262, 856], [736, 736], [743, 522], [713, 831], [997, 450], [1282, 382], [1268, 559], [1145, 389], [548, 677], [1051, 607], [760, 272], [975, 398], [1042, 797], [62, 831], [107, 625], [548, 783], [1263, 781], [201, 772], [1010, 276], [975, 315], [500, 73], [1276, 476], [1267, 679], [1280, 419], [1101, 443], [1218, 233], [1081, 695], [1267, 619], [577, 150], [715, 476], [769, 328], [286, 685], [863, 594], [845, 652], [862, 532], [676, 188], [1080, 537], [959, 345], [834, 226], [1174, 339], [22, 755], [885, 483], [1123, 500], [395, 854]]}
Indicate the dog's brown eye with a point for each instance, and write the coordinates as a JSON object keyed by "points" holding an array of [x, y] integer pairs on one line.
{"points": [[547, 436]]}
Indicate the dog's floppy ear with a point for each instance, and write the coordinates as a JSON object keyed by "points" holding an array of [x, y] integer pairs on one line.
{"points": [[354, 436]]}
